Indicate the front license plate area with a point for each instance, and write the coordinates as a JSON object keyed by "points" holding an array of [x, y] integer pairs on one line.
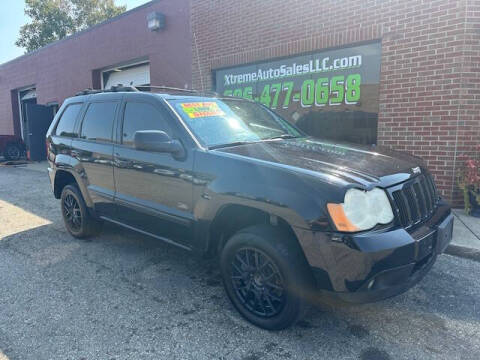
{"points": [[425, 246], [444, 234]]}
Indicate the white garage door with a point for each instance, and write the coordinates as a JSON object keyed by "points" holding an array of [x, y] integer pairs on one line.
{"points": [[131, 76]]}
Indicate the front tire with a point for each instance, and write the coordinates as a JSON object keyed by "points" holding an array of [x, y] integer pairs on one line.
{"points": [[266, 276], [78, 221]]}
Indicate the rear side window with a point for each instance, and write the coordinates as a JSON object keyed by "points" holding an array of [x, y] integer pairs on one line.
{"points": [[98, 122], [66, 124], [142, 116]]}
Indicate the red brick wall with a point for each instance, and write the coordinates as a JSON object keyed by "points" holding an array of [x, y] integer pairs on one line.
{"points": [[469, 103], [66, 67], [429, 88]]}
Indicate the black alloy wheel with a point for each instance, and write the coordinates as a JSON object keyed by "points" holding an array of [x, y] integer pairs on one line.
{"points": [[78, 220], [266, 276], [258, 282], [72, 213]]}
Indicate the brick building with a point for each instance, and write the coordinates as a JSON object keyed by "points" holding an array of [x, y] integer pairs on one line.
{"points": [[121, 50], [400, 73], [427, 98]]}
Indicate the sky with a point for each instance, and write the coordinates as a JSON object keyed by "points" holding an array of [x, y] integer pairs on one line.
{"points": [[12, 18]]}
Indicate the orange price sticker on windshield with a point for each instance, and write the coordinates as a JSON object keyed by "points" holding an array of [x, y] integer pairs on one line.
{"points": [[202, 109]]}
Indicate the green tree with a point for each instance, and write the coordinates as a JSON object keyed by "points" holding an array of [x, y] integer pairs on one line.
{"points": [[55, 19]]}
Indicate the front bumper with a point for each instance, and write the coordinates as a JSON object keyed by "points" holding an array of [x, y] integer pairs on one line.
{"points": [[375, 265]]}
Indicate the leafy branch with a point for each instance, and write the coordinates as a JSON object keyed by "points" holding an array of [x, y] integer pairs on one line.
{"points": [[53, 20]]}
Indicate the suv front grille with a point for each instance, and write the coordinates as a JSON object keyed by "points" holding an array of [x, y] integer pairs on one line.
{"points": [[416, 200]]}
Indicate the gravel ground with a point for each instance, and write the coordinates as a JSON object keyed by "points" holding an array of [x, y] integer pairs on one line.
{"points": [[125, 296]]}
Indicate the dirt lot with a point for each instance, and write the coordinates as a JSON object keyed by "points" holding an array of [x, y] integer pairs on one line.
{"points": [[125, 296]]}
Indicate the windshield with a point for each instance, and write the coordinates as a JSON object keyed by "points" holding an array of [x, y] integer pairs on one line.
{"points": [[223, 122]]}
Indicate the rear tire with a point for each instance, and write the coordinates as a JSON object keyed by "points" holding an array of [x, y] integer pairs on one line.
{"points": [[78, 221], [266, 276], [13, 152]]}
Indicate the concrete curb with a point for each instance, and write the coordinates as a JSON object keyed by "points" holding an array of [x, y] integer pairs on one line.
{"points": [[463, 252]]}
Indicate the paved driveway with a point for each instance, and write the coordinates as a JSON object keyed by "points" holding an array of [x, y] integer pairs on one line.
{"points": [[125, 296]]}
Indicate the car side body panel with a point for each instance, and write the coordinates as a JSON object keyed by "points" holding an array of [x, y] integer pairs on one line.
{"points": [[154, 190], [222, 180], [90, 163]]}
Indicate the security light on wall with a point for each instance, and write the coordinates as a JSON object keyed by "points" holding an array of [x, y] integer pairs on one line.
{"points": [[155, 21]]}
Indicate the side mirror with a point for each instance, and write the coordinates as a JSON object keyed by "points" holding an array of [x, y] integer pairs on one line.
{"points": [[158, 141]]}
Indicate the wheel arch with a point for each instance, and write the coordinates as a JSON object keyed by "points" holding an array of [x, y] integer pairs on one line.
{"points": [[231, 218], [65, 177], [62, 179]]}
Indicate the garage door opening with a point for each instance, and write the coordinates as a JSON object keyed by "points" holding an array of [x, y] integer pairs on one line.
{"points": [[34, 122], [26, 96], [130, 75]]}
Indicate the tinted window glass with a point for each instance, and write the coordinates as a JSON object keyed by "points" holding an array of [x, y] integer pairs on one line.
{"points": [[141, 116], [218, 122], [66, 124], [98, 121]]}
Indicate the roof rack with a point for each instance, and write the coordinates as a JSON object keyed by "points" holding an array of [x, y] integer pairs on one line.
{"points": [[120, 87], [88, 91], [169, 88], [115, 88]]}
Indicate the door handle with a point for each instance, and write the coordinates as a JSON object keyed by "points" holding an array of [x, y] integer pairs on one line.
{"points": [[123, 163]]}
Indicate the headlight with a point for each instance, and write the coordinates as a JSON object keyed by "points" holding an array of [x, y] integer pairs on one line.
{"points": [[361, 210]]}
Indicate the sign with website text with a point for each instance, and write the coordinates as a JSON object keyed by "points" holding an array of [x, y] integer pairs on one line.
{"points": [[314, 90]]}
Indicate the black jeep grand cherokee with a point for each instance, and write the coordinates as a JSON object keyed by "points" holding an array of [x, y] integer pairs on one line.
{"points": [[289, 216]]}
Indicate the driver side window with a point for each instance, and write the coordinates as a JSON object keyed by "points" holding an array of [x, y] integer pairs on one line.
{"points": [[142, 116]]}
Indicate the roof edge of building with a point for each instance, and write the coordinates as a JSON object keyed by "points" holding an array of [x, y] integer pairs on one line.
{"points": [[79, 33]]}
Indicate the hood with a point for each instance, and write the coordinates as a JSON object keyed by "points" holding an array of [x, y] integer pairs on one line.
{"points": [[350, 163]]}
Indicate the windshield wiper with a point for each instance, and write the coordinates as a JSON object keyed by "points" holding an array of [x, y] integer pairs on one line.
{"points": [[236, 143], [283, 136]]}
